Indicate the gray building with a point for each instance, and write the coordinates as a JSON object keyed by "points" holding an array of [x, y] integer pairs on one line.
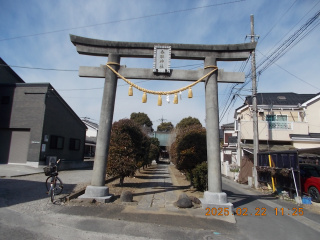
{"points": [[35, 122], [7, 75]]}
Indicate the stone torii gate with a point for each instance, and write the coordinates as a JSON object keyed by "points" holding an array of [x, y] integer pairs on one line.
{"points": [[214, 197]]}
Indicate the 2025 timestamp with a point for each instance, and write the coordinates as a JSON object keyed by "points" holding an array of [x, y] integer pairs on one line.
{"points": [[258, 212]]}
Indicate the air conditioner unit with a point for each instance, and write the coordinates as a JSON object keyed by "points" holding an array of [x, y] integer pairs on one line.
{"points": [[261, 110]]}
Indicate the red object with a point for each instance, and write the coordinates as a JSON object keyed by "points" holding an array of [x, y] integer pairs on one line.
{"points": [[310, 181]]}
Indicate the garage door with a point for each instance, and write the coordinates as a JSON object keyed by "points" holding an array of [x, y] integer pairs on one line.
{"points": [[16, 146]]}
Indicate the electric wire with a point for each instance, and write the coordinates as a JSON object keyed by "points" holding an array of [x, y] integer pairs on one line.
{"points": [[84, 89], [277, 22], [288, 44], [279, 52], [124, 20], [198, 64], [293, 26], [73, 70], [292, 74], [38, 68]]}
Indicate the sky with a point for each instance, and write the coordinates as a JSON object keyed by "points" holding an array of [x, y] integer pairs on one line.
{"points": [[35, 34]]}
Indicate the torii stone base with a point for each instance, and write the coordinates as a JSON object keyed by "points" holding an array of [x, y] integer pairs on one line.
{"points": [[216, 200], [100, 194]]}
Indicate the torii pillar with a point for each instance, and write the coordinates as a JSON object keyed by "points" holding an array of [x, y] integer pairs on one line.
{"points": [[214, 197]]}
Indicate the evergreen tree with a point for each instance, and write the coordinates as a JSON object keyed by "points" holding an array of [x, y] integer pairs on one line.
{"points": [[165, 127], [189, 121], [126, 148], [141, 119]]}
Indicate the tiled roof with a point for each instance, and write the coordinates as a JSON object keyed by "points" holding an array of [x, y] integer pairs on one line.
{"points": [[228, 125], [281, 98], [90, 124]]}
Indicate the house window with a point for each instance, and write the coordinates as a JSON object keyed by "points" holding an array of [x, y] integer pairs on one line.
{"points": [[236, 125], [5, 100], [282, 118], [278, 122], [226, 137], [56, 142], [271, 118], [74, 144]]}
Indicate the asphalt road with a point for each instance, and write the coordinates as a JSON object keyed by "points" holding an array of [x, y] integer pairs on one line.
{"points": [[27, 213], [251, 221]]}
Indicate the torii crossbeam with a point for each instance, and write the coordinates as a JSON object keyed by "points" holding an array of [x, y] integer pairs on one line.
{"points": [[214, 197]]}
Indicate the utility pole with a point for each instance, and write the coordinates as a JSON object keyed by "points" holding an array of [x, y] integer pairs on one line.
{"points": [[162, 119], [254, 106]]}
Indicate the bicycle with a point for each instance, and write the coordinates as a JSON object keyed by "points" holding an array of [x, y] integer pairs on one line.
{"points": [[55, 185]]}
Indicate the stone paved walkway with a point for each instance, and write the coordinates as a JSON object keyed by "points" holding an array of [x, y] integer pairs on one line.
{"points": [[160, 192]]}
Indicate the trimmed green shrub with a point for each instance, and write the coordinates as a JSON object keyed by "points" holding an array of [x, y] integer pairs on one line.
{"points": [[143, 153], [126, 149], [189, 148], [153, 153], [200, 176]]}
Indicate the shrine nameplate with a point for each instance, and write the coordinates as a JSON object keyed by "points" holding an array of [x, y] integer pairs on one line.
{"points": [[161, 59]]}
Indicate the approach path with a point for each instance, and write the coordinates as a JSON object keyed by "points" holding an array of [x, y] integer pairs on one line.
{"points": [[160, 192]]}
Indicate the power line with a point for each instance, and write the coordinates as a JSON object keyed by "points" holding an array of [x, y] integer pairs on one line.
{"points": [[38, 68], [292, 74], [84, 89], [233, 98], [225, 102], [294, 26], [301, 33], [278, 21], [73, 70], [123, 20], [294, 39], [198, 64]]}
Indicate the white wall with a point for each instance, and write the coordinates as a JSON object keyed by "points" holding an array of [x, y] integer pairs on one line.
{"points": [[91, 132]]}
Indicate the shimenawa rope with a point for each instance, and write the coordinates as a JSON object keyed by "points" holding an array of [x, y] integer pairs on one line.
{"points": [[145, 91]]}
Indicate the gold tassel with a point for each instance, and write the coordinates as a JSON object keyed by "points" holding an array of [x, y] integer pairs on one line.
{"points": [[175, 100], [190, 95], [130, 92], [159, 100], [144, 97]]}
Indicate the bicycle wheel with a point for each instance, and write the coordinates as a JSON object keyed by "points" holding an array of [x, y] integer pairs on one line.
{"points": [[52, 194], [59, 185], [48, 183]]}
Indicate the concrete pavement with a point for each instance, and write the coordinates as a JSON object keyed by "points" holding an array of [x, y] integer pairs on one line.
{"points": [[15, 170], [161, 194]]}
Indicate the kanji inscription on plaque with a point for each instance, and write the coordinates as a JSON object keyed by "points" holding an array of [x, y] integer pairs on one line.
{"points": [[161, 59]]}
